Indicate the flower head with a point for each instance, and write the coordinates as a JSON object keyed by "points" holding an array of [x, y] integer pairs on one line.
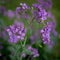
{"points": [[45, 33], [23, 6], [47, 4], [10, 14], [21, 10], [16, 32], [40, 13], [34, 51]]}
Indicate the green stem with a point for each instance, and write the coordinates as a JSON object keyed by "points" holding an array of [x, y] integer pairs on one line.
{"points": [[21, 48], [14, 57], [21, 58], [25, 42]]}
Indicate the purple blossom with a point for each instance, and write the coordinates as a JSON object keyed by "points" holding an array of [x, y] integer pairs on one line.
{"points": [[34, 51], [2, 10], [16, 32], [53, 26], [45, 33], [43, 14], [47, 4], [23, 6], [34, 38], [40, 13], [23, 54], [10, 14], [20, 11], [17, 12]]}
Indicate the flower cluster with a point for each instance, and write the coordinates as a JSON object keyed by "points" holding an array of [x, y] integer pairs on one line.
{"points": [[45, 32], [34, 51], [40, 13], [47, 4], [21, 10], [16, 32], [10, 14], [23, 6]]}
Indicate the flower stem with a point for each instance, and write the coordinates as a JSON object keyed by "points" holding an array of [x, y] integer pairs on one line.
{"points": [[24, 42]]}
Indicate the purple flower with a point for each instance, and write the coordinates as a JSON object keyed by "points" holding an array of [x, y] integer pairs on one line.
{"points": [[2, 10], [43, 14], [23, 54], [17, 12], [53, 26], [47, 4], [34, 38], [51, 44], [45, 33], [10, 14], [34, 51], [20, 11], [40, 13], [16, 32], [23, 6]]}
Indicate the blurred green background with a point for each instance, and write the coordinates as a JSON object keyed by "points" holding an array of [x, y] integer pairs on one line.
{"points": [[12, 4]]}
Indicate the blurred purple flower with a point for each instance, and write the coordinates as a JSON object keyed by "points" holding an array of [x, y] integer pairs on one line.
{"points": [[40, 13], [34, 51], [16, 32], [22, 10], [33, 38], [23, 55], [10, 14], [24, 6], [2, 10], [47, 4], [17, 12], [53, 26], [45, 33]]}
